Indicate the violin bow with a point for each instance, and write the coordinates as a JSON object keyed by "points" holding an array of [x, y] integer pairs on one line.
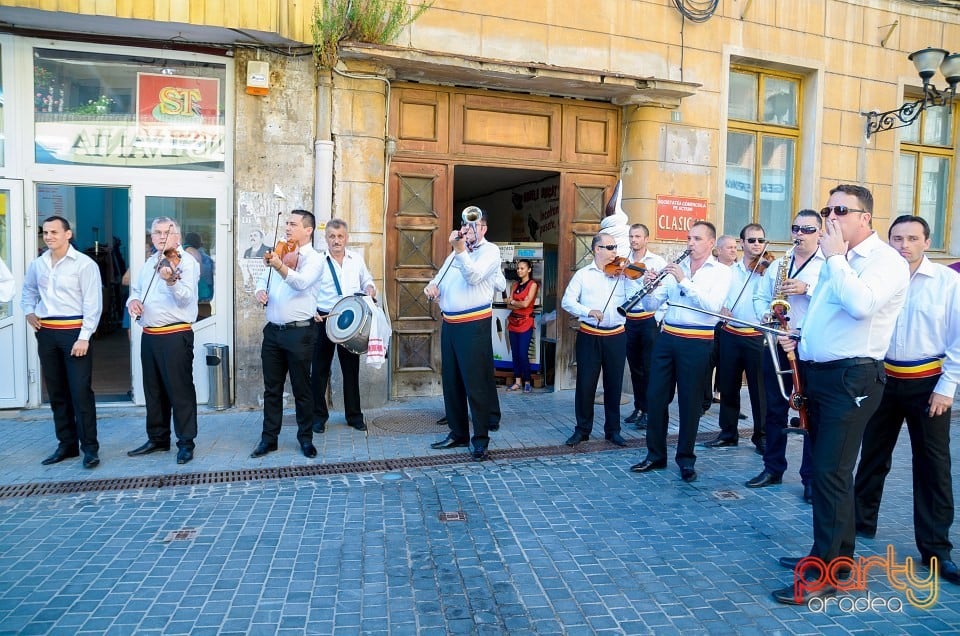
{"points": [[276, 234], [154, 276]]}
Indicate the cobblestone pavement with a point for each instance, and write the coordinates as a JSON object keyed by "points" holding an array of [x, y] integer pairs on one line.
{"points": [[569, 544]]}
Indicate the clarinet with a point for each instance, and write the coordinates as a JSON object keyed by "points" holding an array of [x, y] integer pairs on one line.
{"points": [[632, 302]]}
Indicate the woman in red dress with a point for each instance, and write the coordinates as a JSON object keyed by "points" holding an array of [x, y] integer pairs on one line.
{"points": [[523, 295]]}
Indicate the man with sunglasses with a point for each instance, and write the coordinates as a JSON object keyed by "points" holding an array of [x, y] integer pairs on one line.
{"points": [[923, 370], [592, 296], [741, 348], [846, 332], [683, 347], [803, 264]]}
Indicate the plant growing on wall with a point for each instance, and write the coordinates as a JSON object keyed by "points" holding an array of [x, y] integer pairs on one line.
{"points": [[373, 21]]}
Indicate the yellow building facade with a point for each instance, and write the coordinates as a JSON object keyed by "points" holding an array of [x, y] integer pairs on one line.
{"points": [[747, 111]]}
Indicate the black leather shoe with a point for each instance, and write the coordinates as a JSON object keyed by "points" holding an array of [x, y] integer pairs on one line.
{"points": [[721, 443], [633, 417], [448, 442], [787, 596], [741, 416], [479, 454], [309, 450], [865, 533], [642, 422], [789, 562], [442, 421], [360, 426], [808, 494], [688, 475], [616, 439], [646, 466], [262, 449], [576, 438], [59, 455], [91, 460], [764, 479], [760, 447], [950, 572], [146, 449], [184, 455], [493, 426], [320, 426]]}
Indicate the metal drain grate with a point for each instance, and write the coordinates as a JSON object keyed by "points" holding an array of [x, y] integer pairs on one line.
{"points": [[459, 515], [727, 495], [185, 534]]}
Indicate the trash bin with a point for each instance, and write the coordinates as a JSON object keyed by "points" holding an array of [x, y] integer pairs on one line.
{"points": [[218, 375]]}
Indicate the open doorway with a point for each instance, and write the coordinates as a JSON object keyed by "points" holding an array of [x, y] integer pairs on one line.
{"points": [[523, 214], [100, 219]]}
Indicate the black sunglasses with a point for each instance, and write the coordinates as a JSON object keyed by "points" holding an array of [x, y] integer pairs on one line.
{"points": [[839, 210], [804, 229], [607, 247], [755, 240]]}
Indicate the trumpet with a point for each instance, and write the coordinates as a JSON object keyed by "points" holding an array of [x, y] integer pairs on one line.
{"points": [[632, 302], [470, 216]]}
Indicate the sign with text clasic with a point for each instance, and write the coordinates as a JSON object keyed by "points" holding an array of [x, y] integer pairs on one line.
{"points": [[676, 214]]}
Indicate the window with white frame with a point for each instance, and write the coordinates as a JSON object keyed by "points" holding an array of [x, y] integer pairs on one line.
{"points": [[763, 136]]}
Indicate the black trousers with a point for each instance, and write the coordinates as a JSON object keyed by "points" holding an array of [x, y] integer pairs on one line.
{"points": [[709, 385], [775, 423], [596, 354], [287, 350], [843, 396], [167, 361], [677, 361], [468, 378], [349, 366], [68, 381], [739, 355], [930, 444], [641, 335]]}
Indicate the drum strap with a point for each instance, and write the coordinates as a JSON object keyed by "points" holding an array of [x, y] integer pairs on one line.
{"points": [[336, 281]]}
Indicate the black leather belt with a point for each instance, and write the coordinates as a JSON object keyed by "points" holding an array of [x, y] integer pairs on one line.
{"points": [[291, 325], [842, 363]]}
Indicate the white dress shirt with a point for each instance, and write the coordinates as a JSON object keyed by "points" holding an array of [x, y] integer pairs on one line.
{"points": [[591, 289], [808, 272], [855, 308], [166, 304], [72, 287], [352, 274], [743, 284], [293, 298], [706, 289], [469, 278], [929, 324], [7, 287]]}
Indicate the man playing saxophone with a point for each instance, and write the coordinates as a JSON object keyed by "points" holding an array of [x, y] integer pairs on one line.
{"points": [[794, 278]]}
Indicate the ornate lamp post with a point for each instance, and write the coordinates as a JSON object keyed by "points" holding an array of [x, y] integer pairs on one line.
{"points": [[927, 61]]}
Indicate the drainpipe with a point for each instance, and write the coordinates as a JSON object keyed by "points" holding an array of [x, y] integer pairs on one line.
{"points": [[323, 150]]}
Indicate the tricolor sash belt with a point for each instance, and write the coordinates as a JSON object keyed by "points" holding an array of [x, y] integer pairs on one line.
{"points": [[696, 332], [61, 322], [468, 315], [593, 330], [740, 331], [640, 315], [913, 369], [176, 327]]}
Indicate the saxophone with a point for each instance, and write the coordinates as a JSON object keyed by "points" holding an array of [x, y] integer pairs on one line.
{"points": [[779, 301]]}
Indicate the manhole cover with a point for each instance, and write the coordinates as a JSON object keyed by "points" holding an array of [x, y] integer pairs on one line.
{"points": [[727, 494], [406, 422], [186, 534]]}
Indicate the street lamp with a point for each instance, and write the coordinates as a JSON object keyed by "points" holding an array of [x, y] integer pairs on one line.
{"points": [[926, 60]]}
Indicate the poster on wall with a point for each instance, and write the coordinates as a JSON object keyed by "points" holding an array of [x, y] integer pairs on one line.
{"points": [[177, 102], [675, 215]]}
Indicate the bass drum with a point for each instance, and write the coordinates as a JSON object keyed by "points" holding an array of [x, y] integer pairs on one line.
{"points": [[349, 324]]}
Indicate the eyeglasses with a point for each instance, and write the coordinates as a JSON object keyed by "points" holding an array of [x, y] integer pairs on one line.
{"points": [[804, 229], [607, 247], [755, 240], [839, 210]]}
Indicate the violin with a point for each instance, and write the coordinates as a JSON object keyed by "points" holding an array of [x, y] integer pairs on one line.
{"points": [[761, 263], [621, 266], [288, 251], [170, 260]]}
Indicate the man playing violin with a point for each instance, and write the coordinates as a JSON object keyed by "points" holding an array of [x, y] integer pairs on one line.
{"points": [[741, 348], [163, 299], [592, 296], [803, 270], [641, 329], [343, 274], [288, 290]]}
